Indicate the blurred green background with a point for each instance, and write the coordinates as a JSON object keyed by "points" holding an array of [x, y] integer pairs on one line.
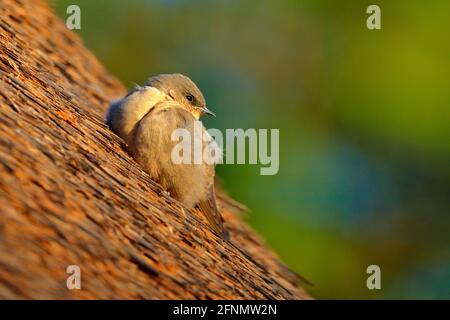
{"points": [[363, 116]]}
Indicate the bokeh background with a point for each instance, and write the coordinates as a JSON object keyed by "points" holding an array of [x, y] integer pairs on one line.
{"points": [[363, 116]]}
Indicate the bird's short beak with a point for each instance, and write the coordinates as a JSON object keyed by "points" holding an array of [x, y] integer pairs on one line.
{"points": [[205, 110]]}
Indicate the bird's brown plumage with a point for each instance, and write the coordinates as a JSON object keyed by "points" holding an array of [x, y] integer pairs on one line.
{"points": [[146, 119]]}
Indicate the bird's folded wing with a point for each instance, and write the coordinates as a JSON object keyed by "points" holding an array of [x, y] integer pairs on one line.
{"points": [[209, 208]]}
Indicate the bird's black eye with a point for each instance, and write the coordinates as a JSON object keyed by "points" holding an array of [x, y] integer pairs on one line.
{"points": [[189, 97]]}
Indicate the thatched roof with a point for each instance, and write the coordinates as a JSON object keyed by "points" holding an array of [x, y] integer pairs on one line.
{"points": [[71, 195]]}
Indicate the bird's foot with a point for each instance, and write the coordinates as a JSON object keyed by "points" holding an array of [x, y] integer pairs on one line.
{"points": [[166, 193]]}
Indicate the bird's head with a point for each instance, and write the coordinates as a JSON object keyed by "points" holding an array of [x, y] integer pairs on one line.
{"points": [[182, 90]]}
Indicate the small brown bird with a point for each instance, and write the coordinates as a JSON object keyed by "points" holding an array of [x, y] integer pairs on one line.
{"points": [[146, 118]]}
